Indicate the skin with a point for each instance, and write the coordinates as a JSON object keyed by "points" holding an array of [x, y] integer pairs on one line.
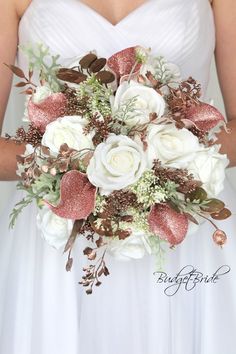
{"points": [[114, 11]]}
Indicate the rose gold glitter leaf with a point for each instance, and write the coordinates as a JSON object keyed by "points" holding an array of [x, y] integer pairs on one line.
{"points": [[168, 224], [122, 63], [47, 111], [204, 116], [77, 197]]}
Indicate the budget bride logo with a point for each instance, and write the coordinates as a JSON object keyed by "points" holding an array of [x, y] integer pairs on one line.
{"points": [[189, 278]]}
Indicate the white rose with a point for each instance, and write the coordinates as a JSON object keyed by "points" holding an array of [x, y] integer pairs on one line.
{"points": [[172, 146], [147, 101], [42, 92], [69, 130], [209, 167], [54, 229], [135, 246], [116, 164]]}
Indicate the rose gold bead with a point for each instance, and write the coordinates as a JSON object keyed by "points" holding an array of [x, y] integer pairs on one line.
{"points": [[219, 237]]}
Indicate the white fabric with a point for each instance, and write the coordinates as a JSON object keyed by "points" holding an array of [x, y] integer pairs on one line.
{"points": [[43, 310]]}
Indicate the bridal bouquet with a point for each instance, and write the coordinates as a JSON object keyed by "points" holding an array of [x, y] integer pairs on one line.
{"points": [[120, 151]]}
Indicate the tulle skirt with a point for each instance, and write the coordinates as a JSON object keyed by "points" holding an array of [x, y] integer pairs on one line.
{"points": [[43, 309]]}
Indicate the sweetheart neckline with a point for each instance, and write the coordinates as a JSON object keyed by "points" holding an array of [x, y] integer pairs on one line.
{"points": [[124, 19]]}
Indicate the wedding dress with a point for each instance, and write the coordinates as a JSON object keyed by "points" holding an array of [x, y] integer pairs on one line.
{"points": [[43, 309]]}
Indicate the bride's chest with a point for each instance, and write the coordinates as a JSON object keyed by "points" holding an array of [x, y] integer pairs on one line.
{"points": [[176, 29], [69, 26]]}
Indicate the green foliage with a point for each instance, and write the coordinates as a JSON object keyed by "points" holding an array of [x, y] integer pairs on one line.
{"points": [[148, 191], [98, 96], [162, 72], [49, 185], [23, 203], [41, 60], [46, 187], [127, 109], [142, 55], [158, 250], [99, 203]]}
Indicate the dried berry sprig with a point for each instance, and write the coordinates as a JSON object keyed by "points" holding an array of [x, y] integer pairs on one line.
{"points": [[201, 135], [185, 181], [101, 127], [182, 98], [106, 223], [74, 106], [93, 273], [119, 202], [31, 136], [29, 169], [66, 160]]}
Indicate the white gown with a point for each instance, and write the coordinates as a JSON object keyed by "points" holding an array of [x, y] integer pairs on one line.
{"points": [[43, 310]]}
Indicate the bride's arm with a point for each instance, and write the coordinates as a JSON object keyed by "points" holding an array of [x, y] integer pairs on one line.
{"points": [[9, 19], [225, 54]]}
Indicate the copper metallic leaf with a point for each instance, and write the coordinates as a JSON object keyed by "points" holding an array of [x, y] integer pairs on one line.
{"points": [[101, 272], [45, 150], [21, 84], [17, 71], [29, 91], [69, 264], [63, 166], [70, 75], [97, 65], [105, 76], [64, 148], [87, 251], [20, 159], [198, 194], [92, 256], [29, 158], [99, 242], [214, 206], [222, 215], [122, 234], [37, 172], [76, 228], [106, 271], [87, 60]]}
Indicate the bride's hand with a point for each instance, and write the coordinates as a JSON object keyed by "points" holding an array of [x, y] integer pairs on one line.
{"points": [[11, 11], [225, 54]]}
